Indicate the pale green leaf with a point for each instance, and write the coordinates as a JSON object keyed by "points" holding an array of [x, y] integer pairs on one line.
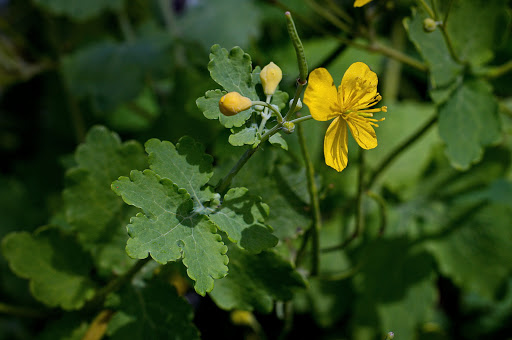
{"points": [[185, 164], [232, 70], [154, 311], [469, 121], [242, 217], [242, 136], [277, 139], [80, 10], [280, 99], [209, 105], [256, 281], [168, 230], [55, 264]]}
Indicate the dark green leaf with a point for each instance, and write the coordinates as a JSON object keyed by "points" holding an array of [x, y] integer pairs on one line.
{"points": [[80, 10]]}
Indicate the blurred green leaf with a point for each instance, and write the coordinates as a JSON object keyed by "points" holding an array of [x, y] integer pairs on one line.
{"points": [[154, 311], [477, 28], [443, 70], [169, 230], [136, 115], [255, 281], [468, 121], [185, 164], [80, 10], [55, 264], [242, 217]]}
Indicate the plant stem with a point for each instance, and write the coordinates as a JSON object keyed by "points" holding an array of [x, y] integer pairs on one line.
{"points": [[359, 197], [395, 54], [125, 25], [427, 9], [299, 49], [382, 211], [301, 119], [98, 326], [298, 92], [25, 312], [269, 106], [399, 149], [313, 195], [327, 14], [116, 283], [497, 71]]}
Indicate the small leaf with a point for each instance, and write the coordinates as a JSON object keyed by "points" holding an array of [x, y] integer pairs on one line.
{"points": [[152, 312], [242, 136], [280, 99], [277, 139], [185, 164], [168, 230], [232, 70], [80, 10], [468, 121], [255, 281], [242, 217], [58, 269], [209, 105]]}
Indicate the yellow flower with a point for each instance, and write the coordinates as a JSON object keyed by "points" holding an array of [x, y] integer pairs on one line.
{"points": [[232, 103], [349, 105], [360, 3]]}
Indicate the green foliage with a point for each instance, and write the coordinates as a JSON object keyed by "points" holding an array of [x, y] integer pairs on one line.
{"points": [[57, 268], [468, 121], [79, 10]]}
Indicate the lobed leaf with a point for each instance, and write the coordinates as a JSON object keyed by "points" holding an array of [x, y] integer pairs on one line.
{"points": [[255, 281], [243, 136], [168, 230], [468, 121], [55, 264], [242, 217], [185, 164]]}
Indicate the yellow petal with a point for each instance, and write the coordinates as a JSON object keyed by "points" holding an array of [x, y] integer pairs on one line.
{"points": [[359, 3], [361, 130], [358, 86], [335, 145], [321, 96]]}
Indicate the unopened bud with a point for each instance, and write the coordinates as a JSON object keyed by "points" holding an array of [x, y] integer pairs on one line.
{"points": [[270, 77], [288, 127], [242, 317], [429, 25], [297, 107], [259, 107], [233, 103]]}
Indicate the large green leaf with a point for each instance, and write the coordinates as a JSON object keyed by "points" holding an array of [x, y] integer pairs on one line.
{"points": [[185, 164], [92, 209], [255, 281], [55, 264], [476, 253], [154, 311], [232, 70], [242, 217], [468, 121], [99, 71], [477, 28], [443, 70], [169, 230], [80, 10]]}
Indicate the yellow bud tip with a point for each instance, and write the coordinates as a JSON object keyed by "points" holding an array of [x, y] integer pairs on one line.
{"points": [[384, 109], [270, 77], [233, 103]]}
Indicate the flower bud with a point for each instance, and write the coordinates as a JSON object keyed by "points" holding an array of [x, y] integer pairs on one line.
{"points": [[429, 25], [297, 107], [288, 127], [259, 107], [242, 317], [270, 77], [233, 103]]}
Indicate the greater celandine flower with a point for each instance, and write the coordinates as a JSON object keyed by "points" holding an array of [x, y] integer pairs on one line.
{"points": [[348, 105], [360, 3]]}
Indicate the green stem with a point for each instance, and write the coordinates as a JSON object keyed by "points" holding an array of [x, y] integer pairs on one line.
{"points": [[395, 54], [427, 9], [497, 71], [394, 67], [299, 49], [269, 106], [382, 211], [116, 283], [301, 119], [327, 14], [298, 91], [339, 12], [313, 195], [359, 197], [399, 149], [169, 19], [125, 25], [225, 182], [25, 312]]}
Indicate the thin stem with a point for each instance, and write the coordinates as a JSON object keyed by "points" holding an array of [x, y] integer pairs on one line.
{"points": [[298, 91], [313, 195], [339, 12], [301, 119], [169, 19], [382, 211], [299, 49], [269, 106], [125, 25], [497, 71], [395, 54], [116, 283], [226, 181], [76, 115], [326, 14], [359, 197], [25, 312], [427, 9], [394, 67], [399, 149], [288, 320]]}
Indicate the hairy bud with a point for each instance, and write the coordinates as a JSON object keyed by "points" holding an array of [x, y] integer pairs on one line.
{"points": [[233, 103], [270, 77]]}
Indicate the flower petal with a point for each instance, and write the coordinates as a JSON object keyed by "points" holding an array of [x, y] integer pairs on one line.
{"points": [[335, 145], [359, 3], [361, 130], [321, 96], [358, 86]]}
